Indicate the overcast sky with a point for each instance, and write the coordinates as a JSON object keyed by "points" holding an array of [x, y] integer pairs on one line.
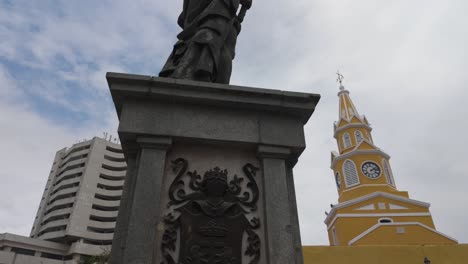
{"points": [[405, 64]]}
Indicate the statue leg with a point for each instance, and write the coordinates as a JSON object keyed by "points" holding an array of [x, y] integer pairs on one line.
{"points": [[185, 68], [224, 67]]}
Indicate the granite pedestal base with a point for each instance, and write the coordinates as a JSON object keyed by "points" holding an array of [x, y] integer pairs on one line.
{"points": [[175, 135]]}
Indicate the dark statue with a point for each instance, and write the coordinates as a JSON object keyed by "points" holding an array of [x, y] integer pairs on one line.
{"points": [[207, 43], [211, 218]]}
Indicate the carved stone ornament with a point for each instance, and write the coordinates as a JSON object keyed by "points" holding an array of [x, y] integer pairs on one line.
{"points": [[209, 217]]}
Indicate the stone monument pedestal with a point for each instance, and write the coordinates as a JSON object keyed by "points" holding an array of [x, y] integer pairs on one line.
{"points": [[183, 142]]}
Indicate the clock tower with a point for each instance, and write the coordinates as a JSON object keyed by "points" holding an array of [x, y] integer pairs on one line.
{"points": [[371, 210]]}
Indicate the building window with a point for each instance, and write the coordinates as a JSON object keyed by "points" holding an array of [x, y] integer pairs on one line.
{"points": [[346, 140], [388, 173], [23, 251], [358, 136], [350, 173]]}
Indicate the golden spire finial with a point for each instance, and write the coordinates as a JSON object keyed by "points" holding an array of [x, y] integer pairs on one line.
{"points": [[340, 79]]}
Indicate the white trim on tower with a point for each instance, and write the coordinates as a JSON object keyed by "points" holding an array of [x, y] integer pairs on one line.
{"points": [[359, 152], [374, 195], [368, 231], [357, 215], [388, 172]]}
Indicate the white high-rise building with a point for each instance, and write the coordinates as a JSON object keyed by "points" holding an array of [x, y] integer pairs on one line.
{"points": [[80, 203]]}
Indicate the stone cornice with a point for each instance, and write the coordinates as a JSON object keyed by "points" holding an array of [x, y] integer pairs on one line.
{"points": [[176, 90]]}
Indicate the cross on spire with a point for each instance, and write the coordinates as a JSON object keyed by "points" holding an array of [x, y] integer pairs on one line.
{"points": [[340, 79]]}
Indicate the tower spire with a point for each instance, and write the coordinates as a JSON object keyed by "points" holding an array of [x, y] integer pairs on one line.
{"points": [[347, 108]]}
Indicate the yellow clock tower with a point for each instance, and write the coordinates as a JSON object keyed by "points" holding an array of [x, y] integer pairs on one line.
{"points": [[371, 210]]}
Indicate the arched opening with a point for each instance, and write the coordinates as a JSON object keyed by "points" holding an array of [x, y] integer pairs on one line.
{"points": [[385, 220], [350, 173], [347, 140]]}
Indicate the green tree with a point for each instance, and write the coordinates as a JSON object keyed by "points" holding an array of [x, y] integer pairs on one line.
{"points": [[99, 259]]}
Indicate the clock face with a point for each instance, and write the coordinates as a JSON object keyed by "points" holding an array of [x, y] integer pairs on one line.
{"points": [[371, 170]]}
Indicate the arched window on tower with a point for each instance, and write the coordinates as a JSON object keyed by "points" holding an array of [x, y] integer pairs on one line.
{"points": [[358, 136], [388, 173], [346, 140], [350, 173], [385, 220]]}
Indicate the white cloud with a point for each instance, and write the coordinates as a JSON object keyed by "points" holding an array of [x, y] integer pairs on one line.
{"points": [[29, 142]]}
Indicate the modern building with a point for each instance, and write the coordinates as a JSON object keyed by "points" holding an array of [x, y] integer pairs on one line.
{"points": [[371, 209], [78, 210]]}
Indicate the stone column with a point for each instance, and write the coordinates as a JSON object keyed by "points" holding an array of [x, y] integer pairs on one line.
{"points": [[294, 214], [120, 235], [137, 226], [280, 211]]}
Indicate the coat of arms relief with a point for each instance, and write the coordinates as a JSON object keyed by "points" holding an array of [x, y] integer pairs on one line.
{"points": [[210, 217]]}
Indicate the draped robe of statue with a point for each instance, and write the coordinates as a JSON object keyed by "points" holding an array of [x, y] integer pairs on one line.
{"points": [[206, 45]]}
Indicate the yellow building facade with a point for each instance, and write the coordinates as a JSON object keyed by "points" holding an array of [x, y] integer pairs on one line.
{"points": [[371, 210], [407, 254]]}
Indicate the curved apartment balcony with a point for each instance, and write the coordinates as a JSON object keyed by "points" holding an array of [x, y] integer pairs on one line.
{"points": [[88, 249], [60, 212], [108, 205], [53, 235], [76, 148], [60, 202], [73, 155], [72, 162], [111, 178], [104, 214], [114, 157], [98, 236], [117, 183], [63, 193], [108, 195], [69, 173], [63, 184], [115, 165], [117, 155], [120, 174], [102, 225], [52, 224], [111, 149], [72, 165]]}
